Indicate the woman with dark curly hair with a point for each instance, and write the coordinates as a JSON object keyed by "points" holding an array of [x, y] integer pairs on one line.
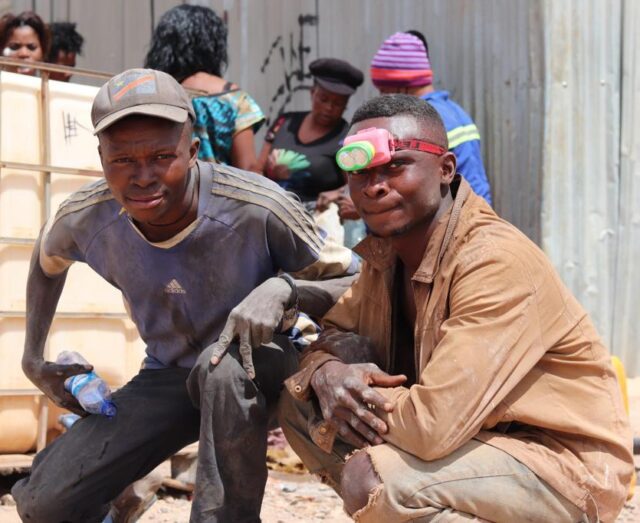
{"points": [[190, 43], [25, 37]]}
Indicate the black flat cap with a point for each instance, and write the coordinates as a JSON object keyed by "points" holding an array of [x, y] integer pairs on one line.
{"points": [[335, 75]]}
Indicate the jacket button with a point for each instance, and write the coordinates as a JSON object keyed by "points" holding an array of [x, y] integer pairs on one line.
{"points": [[323, 430], [298, 388]]}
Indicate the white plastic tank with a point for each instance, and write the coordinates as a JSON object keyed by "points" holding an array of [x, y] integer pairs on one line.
{"points": [[92, 318]]}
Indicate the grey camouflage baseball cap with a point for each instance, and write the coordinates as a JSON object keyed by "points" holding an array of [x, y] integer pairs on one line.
{"points": [[140, 91]]}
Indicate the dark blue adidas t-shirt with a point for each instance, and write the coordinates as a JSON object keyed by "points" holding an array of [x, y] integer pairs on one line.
{"points": [[180, 292]]}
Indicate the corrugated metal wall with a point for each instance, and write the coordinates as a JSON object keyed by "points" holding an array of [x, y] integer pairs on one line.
{"points": [[489, 56], [545, 82], [492, 73], [581, 185], [625, 337]]}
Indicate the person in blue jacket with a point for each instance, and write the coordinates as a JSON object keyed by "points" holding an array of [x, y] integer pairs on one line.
{"points": [[402, 65]]}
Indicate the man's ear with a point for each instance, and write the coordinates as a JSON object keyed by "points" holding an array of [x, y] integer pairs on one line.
{"points": [[448, 165], [193, 151], [100, 154]]}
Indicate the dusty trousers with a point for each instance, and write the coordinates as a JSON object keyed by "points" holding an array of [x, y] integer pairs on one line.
{"points": [[160, 411], [476, 482]]}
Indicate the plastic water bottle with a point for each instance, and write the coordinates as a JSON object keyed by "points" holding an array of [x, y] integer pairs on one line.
{"points": [[354, 230], [89, 389], [67, 420]]}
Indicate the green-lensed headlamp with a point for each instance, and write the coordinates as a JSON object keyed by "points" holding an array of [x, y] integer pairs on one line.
{"points": [[374, 146], [355, 156]]}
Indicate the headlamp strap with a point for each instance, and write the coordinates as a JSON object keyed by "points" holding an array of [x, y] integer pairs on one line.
{"points": [[418, 145]]}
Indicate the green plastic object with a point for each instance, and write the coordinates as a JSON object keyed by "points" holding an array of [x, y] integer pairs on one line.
{"points": [[293, 160]]}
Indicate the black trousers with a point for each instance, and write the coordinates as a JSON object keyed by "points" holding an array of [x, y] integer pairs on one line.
{"points": [[160, 411]]}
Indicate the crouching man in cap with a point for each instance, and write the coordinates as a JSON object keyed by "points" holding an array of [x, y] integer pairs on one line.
{"points": [[471, 379], [202, 254]]}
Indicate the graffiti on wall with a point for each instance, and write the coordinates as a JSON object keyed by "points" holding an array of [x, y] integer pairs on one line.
{"points": [[71, 126], [291, 54]]}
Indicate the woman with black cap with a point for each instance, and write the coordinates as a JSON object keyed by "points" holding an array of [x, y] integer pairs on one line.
{"points": [[300, 147]]}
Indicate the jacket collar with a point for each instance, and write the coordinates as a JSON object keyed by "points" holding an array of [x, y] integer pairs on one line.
{"points": [[436, 95], [379, 253]]}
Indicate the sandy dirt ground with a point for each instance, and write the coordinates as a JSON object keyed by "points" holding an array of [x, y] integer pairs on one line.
{"points": [[295, 497], [288, 498]]}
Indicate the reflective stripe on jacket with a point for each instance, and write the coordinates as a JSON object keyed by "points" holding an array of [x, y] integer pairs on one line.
{"points": [[462, 134], [464, 141]]}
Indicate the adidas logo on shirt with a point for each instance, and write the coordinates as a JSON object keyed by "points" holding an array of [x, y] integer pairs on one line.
{"points": [[173, 287]]}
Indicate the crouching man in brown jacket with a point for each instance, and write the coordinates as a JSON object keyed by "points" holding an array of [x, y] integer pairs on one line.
{"points": [[472, 379]]}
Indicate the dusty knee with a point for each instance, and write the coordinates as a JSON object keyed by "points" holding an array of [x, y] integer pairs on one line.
{"points": [[205, 377], [359, 481], [203, 366]]}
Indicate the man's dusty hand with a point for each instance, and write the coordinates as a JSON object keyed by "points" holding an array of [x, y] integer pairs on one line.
{"points": [[275, 170], [346, 208], [50, 377], [253, 321], [348, 399], [326, 198]]}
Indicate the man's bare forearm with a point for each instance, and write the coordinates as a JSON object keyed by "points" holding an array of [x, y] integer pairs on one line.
{"points": [[43, 293], [317, 297], [348, 347]]}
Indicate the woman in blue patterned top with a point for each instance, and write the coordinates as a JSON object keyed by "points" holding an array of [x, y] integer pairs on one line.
{"points": [[190, 43]]}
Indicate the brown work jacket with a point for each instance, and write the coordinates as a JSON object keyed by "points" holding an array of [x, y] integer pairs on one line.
{"points": [[504, 354]]}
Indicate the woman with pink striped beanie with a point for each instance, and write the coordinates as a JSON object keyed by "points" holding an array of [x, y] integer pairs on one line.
{"points": [[402, 65]]}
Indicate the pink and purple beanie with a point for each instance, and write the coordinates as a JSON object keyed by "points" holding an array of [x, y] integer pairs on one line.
{"points": [[401, 61]]}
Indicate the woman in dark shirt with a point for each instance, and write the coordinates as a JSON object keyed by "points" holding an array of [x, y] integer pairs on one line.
{"points": [[300, 147]]}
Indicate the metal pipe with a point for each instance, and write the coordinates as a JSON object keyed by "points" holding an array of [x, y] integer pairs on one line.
{"points": [[45, 136], [40, 167], [43, 418], [20, 392], [76, 71], [54, 68], [45, 151], [9, 240]]}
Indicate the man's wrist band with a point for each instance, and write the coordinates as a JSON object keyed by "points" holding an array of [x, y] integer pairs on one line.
{"points": [[293, 299]]}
